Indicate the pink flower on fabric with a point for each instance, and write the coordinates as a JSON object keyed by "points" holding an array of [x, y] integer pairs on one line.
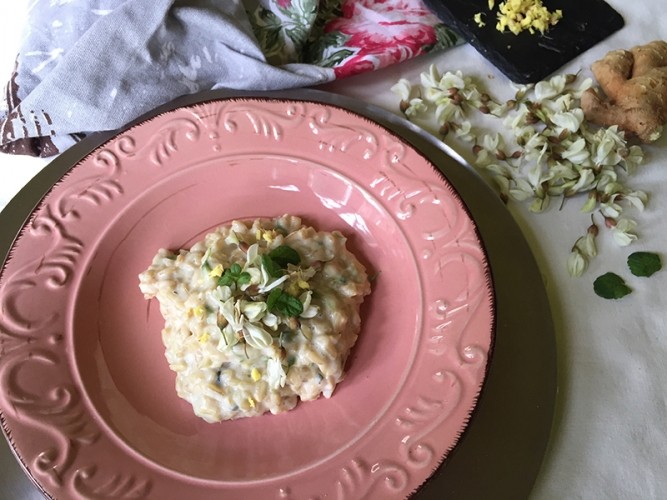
{"points": [[355, 65], [384, 32]]}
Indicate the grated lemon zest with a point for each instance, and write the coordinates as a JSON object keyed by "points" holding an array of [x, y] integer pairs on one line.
{"points": [[216, 272]]}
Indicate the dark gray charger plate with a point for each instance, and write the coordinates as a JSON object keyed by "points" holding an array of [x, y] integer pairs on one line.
{"points": [[501, 451]]}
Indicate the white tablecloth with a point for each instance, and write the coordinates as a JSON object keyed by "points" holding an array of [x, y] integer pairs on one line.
{"points": [[610, 436]]}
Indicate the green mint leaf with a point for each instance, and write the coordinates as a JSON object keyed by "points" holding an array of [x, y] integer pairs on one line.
{"points": [[235, 269], [226, 279], [611, 286], [288, 305], [284, 255], [273, 298], [243, 278], [644, 263], [283, 303], [274, 270]]}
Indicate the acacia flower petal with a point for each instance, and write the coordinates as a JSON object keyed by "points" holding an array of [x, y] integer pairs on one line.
{"points": [[623, 232], [415, 107], [275, 373], [255, 336], [270, 285], [576, 151], [586, 245], [591, 202], [253, 310], [638, 199], [540, 204], [549, 89], [403, 89], [522, 190], [576, 263], [229, 312], [452, 80], [228, 338], [568, 120], [430, 78], [309, 311], [585, 182], [465, 131]]}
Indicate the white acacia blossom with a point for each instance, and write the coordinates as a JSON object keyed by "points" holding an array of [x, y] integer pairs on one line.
{"points": [[547, 149]]}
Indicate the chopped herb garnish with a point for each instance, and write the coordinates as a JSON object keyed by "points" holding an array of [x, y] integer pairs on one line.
{"points": [[234, 274], [284, 255], [271, 267], [243, 279], [278, 259], [258, 306], [226, 279], [280, 302], [273, 298]]}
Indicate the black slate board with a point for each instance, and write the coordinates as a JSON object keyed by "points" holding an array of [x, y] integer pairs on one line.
{"points": [[527, 58]]}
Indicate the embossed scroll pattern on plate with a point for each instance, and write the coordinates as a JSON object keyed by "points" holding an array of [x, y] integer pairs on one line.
{"points": [[55, 431]]}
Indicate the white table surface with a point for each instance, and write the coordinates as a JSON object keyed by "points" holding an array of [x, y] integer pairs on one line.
{"points": [[610, 435]]}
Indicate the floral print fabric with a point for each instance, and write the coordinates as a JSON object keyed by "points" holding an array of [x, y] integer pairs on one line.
{"points": [[349, 36]]}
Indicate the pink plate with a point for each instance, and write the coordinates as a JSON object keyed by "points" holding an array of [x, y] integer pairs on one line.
{"points": [[88, 400]]}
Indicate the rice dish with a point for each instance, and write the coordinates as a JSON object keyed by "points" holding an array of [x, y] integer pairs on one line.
{"points": [[258, 315]]}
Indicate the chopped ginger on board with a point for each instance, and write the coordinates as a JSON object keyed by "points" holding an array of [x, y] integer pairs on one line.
{"points": [[521, 15], [478, 20]]}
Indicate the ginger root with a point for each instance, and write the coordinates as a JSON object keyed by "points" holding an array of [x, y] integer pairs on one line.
{"points": [[635, 84]]}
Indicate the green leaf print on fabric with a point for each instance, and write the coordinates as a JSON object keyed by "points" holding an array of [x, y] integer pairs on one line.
{"points": [[348, 35]]}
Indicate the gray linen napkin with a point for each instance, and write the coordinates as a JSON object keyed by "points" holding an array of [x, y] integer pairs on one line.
{"points": [[121, 59]]}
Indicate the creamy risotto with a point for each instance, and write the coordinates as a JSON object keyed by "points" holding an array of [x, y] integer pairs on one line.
{"points": [[257, 315]]}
